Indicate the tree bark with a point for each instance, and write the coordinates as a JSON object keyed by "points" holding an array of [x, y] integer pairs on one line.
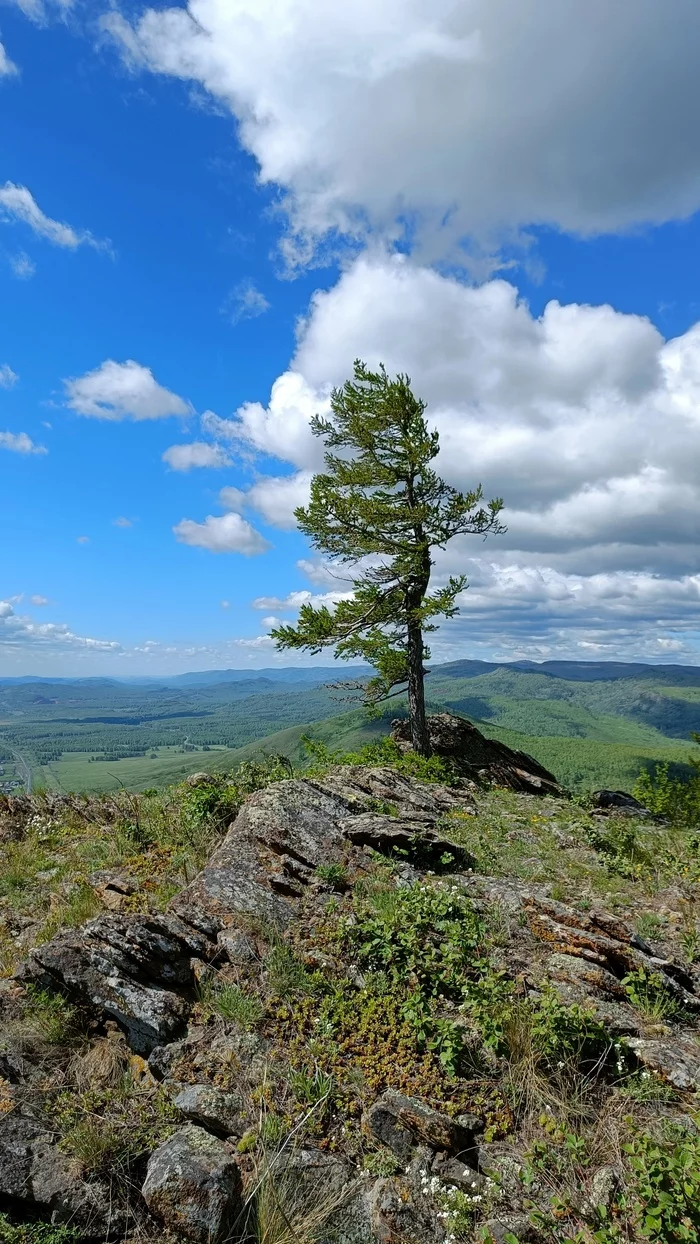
{"points": [[416, 693]]}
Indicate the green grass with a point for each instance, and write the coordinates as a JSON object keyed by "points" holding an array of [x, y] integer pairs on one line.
{"points": [[75, 771]]}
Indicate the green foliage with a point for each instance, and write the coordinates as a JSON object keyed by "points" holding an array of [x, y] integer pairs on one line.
{"points": [[380, 498], [335, 875], [661, 1200], [36, 1232], [382, 751], [673, 798], [234, 1003], [53, 1019], [285, 974], [109, 1128], [650, 994]]}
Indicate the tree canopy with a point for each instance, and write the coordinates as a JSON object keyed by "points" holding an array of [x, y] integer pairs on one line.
{"points": [[379, 510]]}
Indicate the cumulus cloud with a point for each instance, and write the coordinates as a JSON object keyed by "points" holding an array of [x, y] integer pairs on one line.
{"points": [[7, 376], [464, 117], [18, 634], [20, 443], [274, 497], [196, 454], [227, 533], [584, 419], [245, 302], [38, 600], [122, 522], [17, 203], [7, 67], [122, 391]]}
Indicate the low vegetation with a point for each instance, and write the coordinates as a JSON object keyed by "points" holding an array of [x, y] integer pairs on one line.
{"points": [[389, 979]]}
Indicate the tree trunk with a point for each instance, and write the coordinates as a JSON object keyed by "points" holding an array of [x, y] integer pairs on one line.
{"points": [[416, 694]]}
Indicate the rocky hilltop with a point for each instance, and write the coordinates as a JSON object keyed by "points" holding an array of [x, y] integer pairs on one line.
{"points": [[396, 1001]]}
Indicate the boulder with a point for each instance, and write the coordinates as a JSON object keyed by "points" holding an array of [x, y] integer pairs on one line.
{"points": [[402, 1123], [135, 969], [218, 1112], [481, 759], [194, 1186], [400, 1214], [618, 799]]}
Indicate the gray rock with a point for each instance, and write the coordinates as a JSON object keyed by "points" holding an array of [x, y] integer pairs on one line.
{"points": [[218, 1112], [194, 1186], [677, 1061], [34, 1172], [401, 1123], [498, 1229], [456, 1173], [319, 1195], [604, 1185], [284, 832], [134, 969], [399, 1213], [480, 758]]}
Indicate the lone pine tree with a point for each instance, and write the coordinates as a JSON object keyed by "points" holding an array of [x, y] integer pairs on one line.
{"points": [[380, 509]]}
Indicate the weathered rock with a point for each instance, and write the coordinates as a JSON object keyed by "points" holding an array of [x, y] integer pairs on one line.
{"points": [[453, 1171], [499, 1230], [399, 1213], [479, 758], [389, 833], [618, 799], [676, 1060], [284, 832], [135, 969], [401, 1123], [34, 1172], [213, 1109], [319, 1196], [113, 888], [194, 1186], [604, 1185]]}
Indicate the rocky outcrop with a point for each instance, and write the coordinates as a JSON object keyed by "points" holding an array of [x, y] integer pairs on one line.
{"points": [[136, 970], [404, 1124], [283, 833], [483, 760]]}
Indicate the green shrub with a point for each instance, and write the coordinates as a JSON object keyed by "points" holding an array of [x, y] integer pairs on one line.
{"points": [[232, 1002], [36, 1233], [676, 800]]}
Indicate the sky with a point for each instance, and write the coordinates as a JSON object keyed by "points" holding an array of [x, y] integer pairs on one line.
{"points": [[208, 212]]}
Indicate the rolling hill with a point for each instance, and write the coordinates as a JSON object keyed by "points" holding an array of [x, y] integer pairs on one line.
{"points": [[592, 723]]}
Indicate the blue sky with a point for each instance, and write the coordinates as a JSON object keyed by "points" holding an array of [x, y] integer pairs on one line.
{"points": [[203, 220]]}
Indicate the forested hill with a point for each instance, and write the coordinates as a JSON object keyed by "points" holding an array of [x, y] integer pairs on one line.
{"points": [[591, 722]]}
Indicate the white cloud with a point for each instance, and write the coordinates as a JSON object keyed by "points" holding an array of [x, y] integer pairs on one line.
{"points": [[18, 204], [20, 634], [294, 600], [584, 419], [196, 454], [22, 266], [225, 604], [38, 600], [83, 540], [122, 522], [274, 497], [245, 302], [227, 533], [7, 67], [122, 391], [39, 11], [7, 376], [20, 443], [464, 117]]}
